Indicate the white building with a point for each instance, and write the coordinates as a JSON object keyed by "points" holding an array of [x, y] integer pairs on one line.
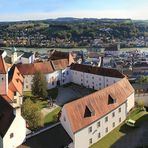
{"points": [[90, 118], [27, 57], [56, 72], [12, 124]]}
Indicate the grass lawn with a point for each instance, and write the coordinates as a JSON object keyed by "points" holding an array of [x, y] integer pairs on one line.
{"points": [[52, 116], [53, 93], [116, 134], [41, 103], [27, 93]]}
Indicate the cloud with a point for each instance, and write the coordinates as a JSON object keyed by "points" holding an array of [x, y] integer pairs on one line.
{"points": [[134, 14]]}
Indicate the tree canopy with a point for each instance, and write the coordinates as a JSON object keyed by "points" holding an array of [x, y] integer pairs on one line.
{"points": [[39, 85], [31, 113]]}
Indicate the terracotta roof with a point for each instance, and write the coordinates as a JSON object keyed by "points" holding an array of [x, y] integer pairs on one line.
{"points": [[3, 67], [30, 69], [75, 110], [57, 55], [97, 70], [59, 64], [6, 116], [15, 83]]}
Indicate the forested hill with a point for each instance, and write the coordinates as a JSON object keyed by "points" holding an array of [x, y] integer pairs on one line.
{"points": [[70, 32]]}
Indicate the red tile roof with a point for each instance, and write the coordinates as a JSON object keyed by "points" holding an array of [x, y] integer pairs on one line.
{"points": [[57, 55], [15, 83], [99, 101], [3, 67], [97, 70], [30, 69], [59, 64]]}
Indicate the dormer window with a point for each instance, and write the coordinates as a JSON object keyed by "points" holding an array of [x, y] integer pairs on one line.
{"points": [[89, 111], [111, 100], [15, 93]]}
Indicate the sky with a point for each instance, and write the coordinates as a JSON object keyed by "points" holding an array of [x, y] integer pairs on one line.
{"points": [[16, 10]]}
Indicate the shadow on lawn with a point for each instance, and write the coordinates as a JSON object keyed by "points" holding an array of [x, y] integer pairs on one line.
{"points": [[134, 136]]}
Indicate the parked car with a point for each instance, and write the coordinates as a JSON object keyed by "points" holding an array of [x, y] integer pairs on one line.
{"points": [[130, 122]]}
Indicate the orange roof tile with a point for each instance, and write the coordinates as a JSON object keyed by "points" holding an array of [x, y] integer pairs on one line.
{"points": [[99, 101], [15, 83], [30, 69], [59, 64], [3, 67]]}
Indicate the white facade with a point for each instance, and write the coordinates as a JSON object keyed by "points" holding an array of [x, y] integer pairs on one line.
{"points": [[86, 137], [89, 80], [27, 60], [15, 134], [58, 77]]}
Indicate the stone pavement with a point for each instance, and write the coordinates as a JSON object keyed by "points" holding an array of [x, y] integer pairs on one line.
{"points": [[67, 94]]}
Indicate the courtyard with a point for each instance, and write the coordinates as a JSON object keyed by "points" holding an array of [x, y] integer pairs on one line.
{"points": [[70, 92]]}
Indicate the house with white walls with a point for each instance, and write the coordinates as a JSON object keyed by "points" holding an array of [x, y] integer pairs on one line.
{"points": [[56, 72], [12, 124], [91, 117], [27, 57]]}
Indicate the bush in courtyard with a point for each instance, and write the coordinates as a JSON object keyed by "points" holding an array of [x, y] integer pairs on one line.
{"points": [[31, 113]]}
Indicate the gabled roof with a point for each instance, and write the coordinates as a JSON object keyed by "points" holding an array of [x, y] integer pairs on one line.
{"points": [[27, 54], [15, 83], [57, 55], [3, 67], [31, 69], [98, 103], [6, 116], [59, 64], [97, 70]]}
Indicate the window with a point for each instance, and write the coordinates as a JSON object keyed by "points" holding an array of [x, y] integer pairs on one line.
{"points": [[106, 130], [63, 81], [90, 141], [98, 124], [119, 110], [15, 101], [106, 84], [113, 124], [86, 81], [99, 135], [113, 114], [15, 93], [92, 77], [26, 86], [106, 119], [90, 129], [2, 79], [92, 82], [52, 82], [64, 119], [119, 119], [67, 72], [100, 84], [106, 80], [11, 135]]}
